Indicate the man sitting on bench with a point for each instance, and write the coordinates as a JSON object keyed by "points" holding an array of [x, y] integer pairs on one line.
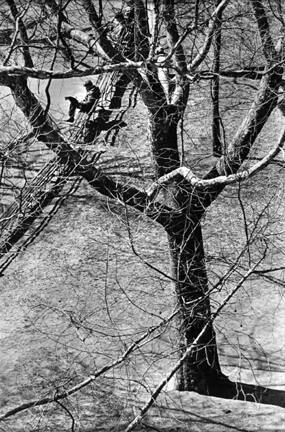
{"points": [[92, 95]]}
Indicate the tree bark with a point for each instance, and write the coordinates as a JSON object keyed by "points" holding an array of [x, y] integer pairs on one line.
{"points": [[201, 371], [163, 129]]}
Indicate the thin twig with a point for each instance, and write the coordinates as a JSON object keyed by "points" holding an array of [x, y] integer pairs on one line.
{"points": [[133, 347], [188, 351]]}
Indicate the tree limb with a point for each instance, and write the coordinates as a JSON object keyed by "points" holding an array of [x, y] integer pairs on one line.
{"points": [[46, 132], [23, 71], [173, 36], [181, 92], [215, 88], [208, 40], [22, 29], [268, 47], [104, 46], [265, 101], [203, 184], [207, 43]]}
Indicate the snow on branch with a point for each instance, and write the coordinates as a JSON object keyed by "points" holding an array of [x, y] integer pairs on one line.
{"points": [[195, 182]]}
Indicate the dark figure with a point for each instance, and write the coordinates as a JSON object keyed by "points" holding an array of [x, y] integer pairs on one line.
{"points": [[101, 123], [93, 94]]}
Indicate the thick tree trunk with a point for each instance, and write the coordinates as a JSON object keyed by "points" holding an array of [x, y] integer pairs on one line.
{"points": [[201, 371]]}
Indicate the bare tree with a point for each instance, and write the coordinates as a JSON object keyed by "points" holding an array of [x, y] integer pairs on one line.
{"points": [[203, 51]]}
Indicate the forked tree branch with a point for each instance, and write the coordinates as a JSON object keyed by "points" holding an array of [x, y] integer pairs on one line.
{"points": [[13, 41], [176, 48], [22, 30], [207, 43], [264, 103], [104, 45], [181, 91], [203, 184], [208, 39]]}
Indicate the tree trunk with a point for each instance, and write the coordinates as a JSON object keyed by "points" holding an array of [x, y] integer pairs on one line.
{"points": [[201, 371]]}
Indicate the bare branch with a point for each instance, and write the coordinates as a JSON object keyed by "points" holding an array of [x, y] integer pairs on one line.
{"points": [[207, 43], [12, 46], [59, 396], [104, 46], [180, 94], [167, 378], [47, 133], [173, 36], [127, 65], [269, 50], [197, 183], [155, 30], [187, 353], [22, 29], [208, 40], [264, 103], [215, 88]]}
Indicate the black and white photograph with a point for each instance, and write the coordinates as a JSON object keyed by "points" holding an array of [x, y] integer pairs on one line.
{"points": [[142, 225]]}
